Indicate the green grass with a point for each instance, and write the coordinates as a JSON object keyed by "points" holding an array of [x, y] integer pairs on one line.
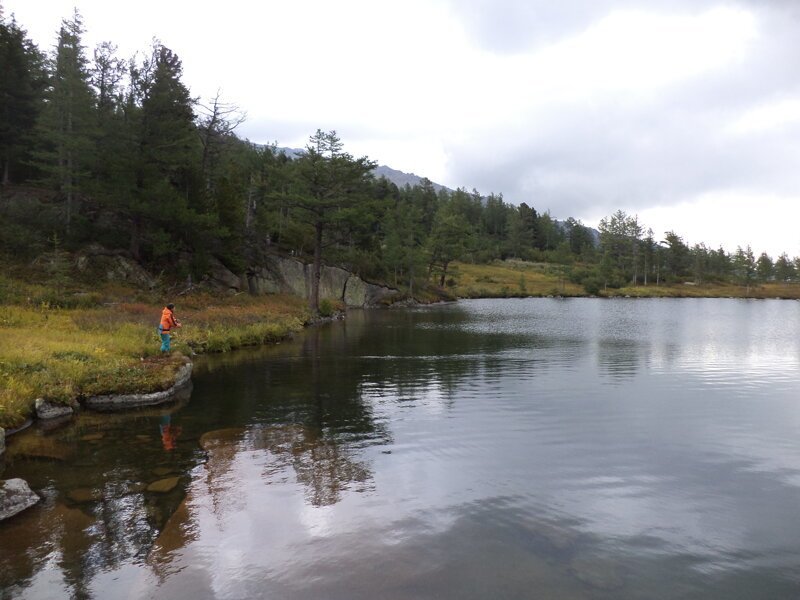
{"points": [[708, 290], [511, 278], [61, 354]]}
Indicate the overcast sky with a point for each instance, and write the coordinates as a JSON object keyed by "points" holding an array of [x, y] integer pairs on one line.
{"points": [[686, 113]]}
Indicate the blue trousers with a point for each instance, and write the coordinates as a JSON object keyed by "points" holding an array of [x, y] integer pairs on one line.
{"points": [[165, 342]]}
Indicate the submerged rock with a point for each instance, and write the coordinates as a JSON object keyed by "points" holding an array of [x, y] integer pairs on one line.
{"points": [[84, 495], [49, 410], [34, 445], [162, 486], [15, 496], [125, 401], [220, 437]]}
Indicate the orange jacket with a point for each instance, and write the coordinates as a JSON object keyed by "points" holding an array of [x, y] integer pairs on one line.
{"points": [[168, 320]]}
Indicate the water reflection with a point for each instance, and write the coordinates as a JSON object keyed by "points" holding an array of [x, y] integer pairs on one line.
{"points": [[97, 512], [561, 448]]}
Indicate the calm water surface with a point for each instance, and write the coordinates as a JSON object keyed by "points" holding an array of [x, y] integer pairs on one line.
{"points": [[538, 448]]}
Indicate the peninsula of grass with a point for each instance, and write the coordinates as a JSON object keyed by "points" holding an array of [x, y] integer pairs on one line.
{"points": [[511, 279], [63, 354]]}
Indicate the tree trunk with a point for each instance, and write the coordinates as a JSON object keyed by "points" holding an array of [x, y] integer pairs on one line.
{"points": [[135, 245], [250, 213], [313, 301]]}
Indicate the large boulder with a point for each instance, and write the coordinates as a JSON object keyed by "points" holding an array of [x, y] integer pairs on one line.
{"points": [[293, 274], [332, 281], [112, 265], [355, 291], [223, 277], [263, 281], [15, 496]]}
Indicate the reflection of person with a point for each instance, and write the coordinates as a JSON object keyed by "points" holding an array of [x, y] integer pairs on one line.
{"points": [[169, 433], [168, 323]]}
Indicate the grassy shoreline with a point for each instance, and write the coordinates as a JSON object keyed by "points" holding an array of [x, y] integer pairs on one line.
{"points": [[64, 354], [76, 347], [519, 279]]}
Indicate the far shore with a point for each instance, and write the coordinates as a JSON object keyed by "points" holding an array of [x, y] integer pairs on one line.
{"points": [[67, 354]]}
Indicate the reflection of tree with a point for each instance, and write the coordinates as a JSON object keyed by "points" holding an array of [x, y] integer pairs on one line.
{"points": [[326, 469], [619, 359], [324, 466], [96, 514]]}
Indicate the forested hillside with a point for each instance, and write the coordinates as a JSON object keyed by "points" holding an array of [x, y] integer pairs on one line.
{"points": [[111, 150]]}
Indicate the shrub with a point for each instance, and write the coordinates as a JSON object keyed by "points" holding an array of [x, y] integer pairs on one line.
{"points": [[592, 285], [326, 308]]}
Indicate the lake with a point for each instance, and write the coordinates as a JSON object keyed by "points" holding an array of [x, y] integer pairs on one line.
{"points": [[521, 448]]}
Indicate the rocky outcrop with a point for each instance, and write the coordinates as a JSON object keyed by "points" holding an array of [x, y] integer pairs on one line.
{"points": [[113, 402], [112, 265], [15, 496], [48, 410], [223, 277], [290, 276]]}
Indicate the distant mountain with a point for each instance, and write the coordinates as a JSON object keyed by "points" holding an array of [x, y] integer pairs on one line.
{"points": [[399, 178]]}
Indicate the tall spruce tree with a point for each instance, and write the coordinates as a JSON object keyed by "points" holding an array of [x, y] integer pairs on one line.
{"points": [[21, 83], [67, 126], [160, 211]]}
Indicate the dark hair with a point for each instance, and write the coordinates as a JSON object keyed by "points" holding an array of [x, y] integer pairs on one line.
{"points": [[170, 306]]}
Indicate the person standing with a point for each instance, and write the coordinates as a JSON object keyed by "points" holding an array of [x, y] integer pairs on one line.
{"points": [[168, 323]]}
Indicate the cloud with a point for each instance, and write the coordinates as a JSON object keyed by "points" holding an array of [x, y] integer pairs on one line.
{"points": [[643, 110], [581, 106]]}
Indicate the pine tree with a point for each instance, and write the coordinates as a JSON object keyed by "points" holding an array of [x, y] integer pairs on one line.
{"points": [[161, 117], [68, 127], [21, 84], [328, 182]]}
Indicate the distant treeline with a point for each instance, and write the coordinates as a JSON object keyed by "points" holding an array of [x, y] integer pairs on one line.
{"points": [[96, 148]]}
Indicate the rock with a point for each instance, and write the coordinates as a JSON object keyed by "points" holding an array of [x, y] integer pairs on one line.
{"points": [[293, 274], [220, 275], [84, 495], [161, 471], [220, 437], [113, 265], [290, 276], [162, 486], [49, 410], [48, 425], [125, 401], [262, 281], [355, 291], [92, 437], [135, 488], [15, 496], [376, 293], [34, 445], [332, 281]]}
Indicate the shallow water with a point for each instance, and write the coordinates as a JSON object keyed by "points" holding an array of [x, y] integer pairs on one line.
{"points": [[539, 448]]}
